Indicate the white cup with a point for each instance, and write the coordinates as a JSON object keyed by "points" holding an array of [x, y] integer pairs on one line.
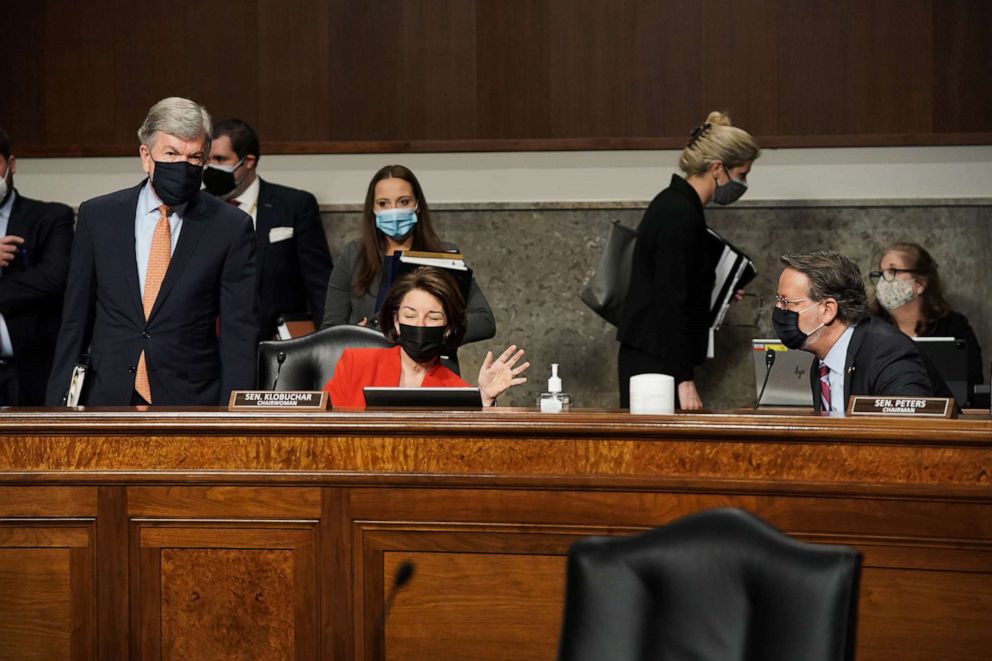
{"points": [[652, 394]]}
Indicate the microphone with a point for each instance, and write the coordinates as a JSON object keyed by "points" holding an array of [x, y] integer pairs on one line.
{"points": [[402, 576], [769, 361], [280, 359]]}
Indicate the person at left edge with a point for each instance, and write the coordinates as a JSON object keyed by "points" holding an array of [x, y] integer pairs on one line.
{"points": [[294, 263], [153, 268], [35, 240]]}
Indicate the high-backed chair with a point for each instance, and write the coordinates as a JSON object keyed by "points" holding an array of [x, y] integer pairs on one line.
{"points": [[718, 585], [310, 359]]}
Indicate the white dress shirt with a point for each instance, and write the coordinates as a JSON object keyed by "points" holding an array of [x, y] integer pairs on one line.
{"points": [[248, 200]]}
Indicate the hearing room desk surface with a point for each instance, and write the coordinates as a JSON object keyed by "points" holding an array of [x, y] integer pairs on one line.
{"points": [[204, 534]]}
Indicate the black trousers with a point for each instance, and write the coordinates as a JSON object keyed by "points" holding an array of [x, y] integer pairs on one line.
{"points": [[631, 362]]}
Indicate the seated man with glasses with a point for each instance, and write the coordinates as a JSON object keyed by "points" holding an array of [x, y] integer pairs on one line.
{"points": [[822, 307]]}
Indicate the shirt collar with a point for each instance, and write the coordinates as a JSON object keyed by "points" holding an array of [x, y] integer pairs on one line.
{"points": [[837, 355], [149, 202], [249, 196]]}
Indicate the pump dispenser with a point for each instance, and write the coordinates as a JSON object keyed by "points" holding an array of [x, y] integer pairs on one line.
{"points": [[554, 401]]}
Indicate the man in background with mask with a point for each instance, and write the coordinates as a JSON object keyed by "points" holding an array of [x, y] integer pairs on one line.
{"points": [[294, 264], [161, 290], [35, 240], [822, 308]]}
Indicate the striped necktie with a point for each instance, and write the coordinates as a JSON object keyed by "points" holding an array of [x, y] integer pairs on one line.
{"points": [[158, 264], [824, 389]]}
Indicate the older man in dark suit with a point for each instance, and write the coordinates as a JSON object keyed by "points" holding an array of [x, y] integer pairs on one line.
{"points": [[35, 240], [161, 289], [294, 263], [822, 308]]}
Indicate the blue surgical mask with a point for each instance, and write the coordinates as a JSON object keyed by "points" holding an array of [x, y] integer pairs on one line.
{"points": [[396, 223]]}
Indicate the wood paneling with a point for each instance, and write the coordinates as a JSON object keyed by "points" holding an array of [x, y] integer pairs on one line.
{"points": [[47, 590], [234, 535], [338, 76], [225, 592]]}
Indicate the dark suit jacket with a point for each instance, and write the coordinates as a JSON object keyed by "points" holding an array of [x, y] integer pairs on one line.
{"points": [[881, 360], [666, 313], [31, 290], [211, 274], [292, 272]]}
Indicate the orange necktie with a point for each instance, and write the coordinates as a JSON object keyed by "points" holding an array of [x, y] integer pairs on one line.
{"points": [[158, 264]]}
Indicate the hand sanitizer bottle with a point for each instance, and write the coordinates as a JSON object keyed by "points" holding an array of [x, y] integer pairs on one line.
{"points": [[554, 401]]}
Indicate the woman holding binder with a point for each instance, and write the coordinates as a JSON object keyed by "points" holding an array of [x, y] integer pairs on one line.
{"points": [[396, 218], [664, 326]]}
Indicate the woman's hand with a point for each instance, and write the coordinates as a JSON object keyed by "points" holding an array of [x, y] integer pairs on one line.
{"points": [[496, 376], [689, 396]]}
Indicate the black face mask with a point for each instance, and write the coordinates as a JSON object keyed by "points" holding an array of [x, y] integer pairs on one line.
{"points": [[176, 183], [786, 323], [422, 343], [220, 181]]}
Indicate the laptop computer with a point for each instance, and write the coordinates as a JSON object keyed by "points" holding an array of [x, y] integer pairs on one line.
{"points": [[788, 381], [949, 357], [429, 398]]}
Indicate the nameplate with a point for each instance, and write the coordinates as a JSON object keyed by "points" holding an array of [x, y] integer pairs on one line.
{"points": [[298, 400], [921, 407]]}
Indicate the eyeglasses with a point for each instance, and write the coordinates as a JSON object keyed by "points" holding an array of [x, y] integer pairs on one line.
{"points": [[784, 303], [888, 274]]}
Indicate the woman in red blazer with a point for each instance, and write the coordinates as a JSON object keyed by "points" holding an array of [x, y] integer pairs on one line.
{"points": [[424, 313]]}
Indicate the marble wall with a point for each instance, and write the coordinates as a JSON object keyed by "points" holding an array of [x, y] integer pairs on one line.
{"points": [[532, 260]]}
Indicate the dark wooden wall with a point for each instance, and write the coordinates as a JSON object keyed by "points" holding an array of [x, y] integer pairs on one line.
{"points": [[77, 76]]}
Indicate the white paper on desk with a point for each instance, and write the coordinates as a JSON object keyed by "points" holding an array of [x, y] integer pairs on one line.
{"points": [[277, 234]]}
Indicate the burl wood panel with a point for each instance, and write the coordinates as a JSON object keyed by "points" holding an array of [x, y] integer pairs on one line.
{"points": [[227, 605], [225, 590], [476, 606]]}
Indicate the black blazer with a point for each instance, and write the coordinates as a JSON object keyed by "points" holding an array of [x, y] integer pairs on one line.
{"points": [[666, 313], [211, 276], [954, 324], [31, 289], [881, 360], [292, 272]]}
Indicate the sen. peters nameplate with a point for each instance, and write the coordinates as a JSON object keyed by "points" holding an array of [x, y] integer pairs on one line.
{"points": [[920, 407], [297, 400]]}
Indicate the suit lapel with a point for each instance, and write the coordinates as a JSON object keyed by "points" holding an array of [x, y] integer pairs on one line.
{"points": [[851, 361], [264, 217], [122, 227], [17, 225], [194, 226]]}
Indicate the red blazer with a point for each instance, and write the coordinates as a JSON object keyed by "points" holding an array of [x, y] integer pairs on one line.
{"points": [[358, 368]]}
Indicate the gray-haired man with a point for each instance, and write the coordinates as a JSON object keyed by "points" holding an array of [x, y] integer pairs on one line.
{"points": [[822, 308], [153, 270]]}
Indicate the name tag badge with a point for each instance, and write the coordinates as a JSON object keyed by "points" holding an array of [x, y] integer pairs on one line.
{"points": [[920, 407], [297, 400]]}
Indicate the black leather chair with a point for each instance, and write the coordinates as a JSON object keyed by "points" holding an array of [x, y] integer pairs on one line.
{"points": [[718, 585], [310, 359]]}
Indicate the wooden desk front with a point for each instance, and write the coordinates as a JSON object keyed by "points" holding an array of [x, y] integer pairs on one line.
{"points": [[209, 535]]}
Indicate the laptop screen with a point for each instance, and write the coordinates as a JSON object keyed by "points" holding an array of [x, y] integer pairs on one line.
{"points": [[949, 358], [788, 380], [431, 398]]}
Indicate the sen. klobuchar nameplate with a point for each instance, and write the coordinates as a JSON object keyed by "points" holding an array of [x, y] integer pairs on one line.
{"points": [[922, 407], [297, 400]]}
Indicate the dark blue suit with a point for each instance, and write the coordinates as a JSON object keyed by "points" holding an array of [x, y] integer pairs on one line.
{"points": [[211, 275]]}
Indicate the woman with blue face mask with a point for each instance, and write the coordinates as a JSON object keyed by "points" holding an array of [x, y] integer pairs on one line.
{"points": [[664, 324], [909, 294], [396, 217]]}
